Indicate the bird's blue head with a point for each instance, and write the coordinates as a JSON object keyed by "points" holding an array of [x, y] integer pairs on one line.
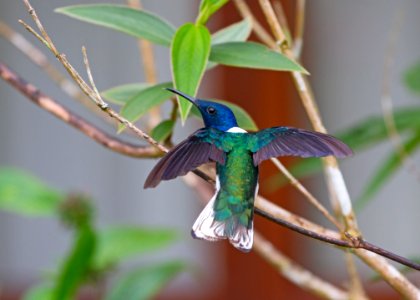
{"points": [[214, 114]]}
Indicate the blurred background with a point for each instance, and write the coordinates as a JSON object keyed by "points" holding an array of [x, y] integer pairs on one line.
{"points": [[345, 44]]}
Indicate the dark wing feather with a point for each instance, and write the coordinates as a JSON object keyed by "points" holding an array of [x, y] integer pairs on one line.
{"points": [[286, 141], [199, 148]]}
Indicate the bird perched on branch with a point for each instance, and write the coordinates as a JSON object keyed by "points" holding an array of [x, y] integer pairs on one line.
{"points": [[237, 154]]}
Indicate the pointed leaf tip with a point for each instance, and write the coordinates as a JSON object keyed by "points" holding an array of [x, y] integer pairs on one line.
{"points": [[252, 55], [190, 51]]}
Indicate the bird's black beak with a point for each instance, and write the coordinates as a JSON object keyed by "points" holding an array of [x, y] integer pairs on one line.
{"points": [[189, 98]]}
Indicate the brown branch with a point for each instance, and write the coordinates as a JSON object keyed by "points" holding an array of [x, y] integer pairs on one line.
{"points": [[354, 243], [45, 102], [56, 109], [402, 285]]}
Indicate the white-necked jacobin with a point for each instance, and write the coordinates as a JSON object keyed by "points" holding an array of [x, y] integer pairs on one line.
{"points": [[237, 154]]}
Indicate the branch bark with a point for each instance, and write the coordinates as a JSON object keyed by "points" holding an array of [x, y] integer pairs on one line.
{"points": [[87, 128]]}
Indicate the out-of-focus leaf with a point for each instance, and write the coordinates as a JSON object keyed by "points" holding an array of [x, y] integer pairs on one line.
{"points": [[208, 8], [39, 292], [252, 55], [76, 266], [412, 78], [134, 22], [387, 168], [244, 119], [189, 55], [24, 194], [142, 102], [237, 32], [123, 93], [365, 134], [163, 130], [144, 283], [118, 243]]}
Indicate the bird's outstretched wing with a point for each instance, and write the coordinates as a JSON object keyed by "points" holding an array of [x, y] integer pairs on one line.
{"points": [[201, 147], [287, 141]]}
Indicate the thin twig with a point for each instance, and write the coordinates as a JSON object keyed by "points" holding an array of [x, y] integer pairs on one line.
{"points": [[281, 40], [38, 58], [299, 28], [56, 109], [89, 91], [311, 198], [259, 30], [356, 290]]}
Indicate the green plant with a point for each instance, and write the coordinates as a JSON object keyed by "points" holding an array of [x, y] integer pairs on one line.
{"points": [[193, 51]]}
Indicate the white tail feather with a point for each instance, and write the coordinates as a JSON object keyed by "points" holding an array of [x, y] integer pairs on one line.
{"points": [[206, 228]]}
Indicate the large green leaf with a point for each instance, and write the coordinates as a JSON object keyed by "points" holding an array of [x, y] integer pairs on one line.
{"points": [[134, 22], [237, 32], [24, 194], [143, 101], [75, 268], [208, 8], [189, 55], [144, 283], [387, 168], [163, 130], [412, 78], [244, 119], [365, 134], [123, 93], [119, 243], [252, 55]]}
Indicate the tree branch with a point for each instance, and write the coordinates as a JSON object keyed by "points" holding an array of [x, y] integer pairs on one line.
{"points": [[261, 203], [56, 109]]}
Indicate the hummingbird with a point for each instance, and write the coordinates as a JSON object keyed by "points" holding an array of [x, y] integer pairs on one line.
{"points": [[237, 154]]}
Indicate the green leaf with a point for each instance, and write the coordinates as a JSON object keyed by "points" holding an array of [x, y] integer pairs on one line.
{"points": [[252, 55], [75, 268], [208, 8], [134, 22], [388, 167], [39, 292], [163, 130], [237, 32], [244, 119], [119, 243], [412, 78], [143, 101], [189, 55], [122, 93], [24, 194], [144, 283], [367, 133]]}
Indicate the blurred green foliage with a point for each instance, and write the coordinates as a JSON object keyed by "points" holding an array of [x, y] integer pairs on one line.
{"points": [[94, 251]]}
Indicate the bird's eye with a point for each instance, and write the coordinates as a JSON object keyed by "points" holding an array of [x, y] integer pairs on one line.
{"points": [[211, 110]]}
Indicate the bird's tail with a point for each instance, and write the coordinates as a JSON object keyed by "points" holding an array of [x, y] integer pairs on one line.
{"points": [[217, 223]]}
